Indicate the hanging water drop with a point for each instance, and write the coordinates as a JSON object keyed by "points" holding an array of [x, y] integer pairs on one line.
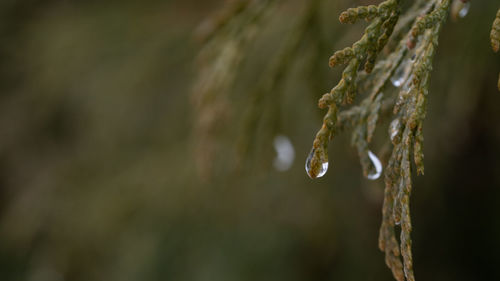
{"points": [[394, 128], [408, 83], [397, 79], [285, 153], [400, 73], [377, 164], [465, 10], [316, 170]]}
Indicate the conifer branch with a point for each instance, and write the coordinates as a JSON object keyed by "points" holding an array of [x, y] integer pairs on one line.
{"points": [[273, 77], [367, 48], [222, 53], [406, 130]]}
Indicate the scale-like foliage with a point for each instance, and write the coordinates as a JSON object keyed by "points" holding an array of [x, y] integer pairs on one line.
{"points": [[409, 109]]}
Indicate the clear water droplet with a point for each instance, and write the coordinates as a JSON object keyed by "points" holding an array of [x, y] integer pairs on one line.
{"points": [[397, 79], [400, 74], [321, 169], [285, 153], [465, 10], [377, 164], [408, 83], [394, 128]]}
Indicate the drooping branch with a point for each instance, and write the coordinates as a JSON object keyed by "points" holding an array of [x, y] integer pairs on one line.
{"points": [[412, 77], [383, 18]]}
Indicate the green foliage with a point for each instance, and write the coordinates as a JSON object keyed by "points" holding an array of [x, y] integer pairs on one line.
{"points": [[410, 110], [229, 36]]}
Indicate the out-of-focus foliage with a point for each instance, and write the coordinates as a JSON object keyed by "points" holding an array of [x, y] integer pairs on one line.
{"points": [[97, 166]]}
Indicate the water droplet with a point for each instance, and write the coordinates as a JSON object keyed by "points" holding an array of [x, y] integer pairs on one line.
{"points": [[397, 79], [377, 164], [394, 128], [316, 170], [465, 10], [285, 153], [408, 83], [400, 74]]}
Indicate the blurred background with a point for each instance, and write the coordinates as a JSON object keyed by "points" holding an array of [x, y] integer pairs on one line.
{"points": [[99, 174]]}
